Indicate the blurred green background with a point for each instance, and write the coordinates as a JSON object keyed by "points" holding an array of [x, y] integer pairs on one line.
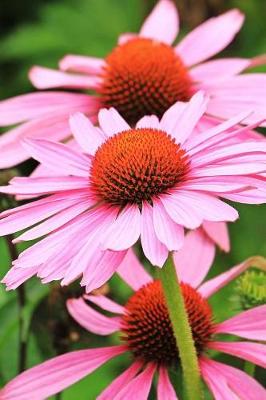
{"points": [[41, 32]]}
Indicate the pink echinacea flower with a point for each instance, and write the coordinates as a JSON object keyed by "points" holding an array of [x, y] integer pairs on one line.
{"points": [[142, 75], [124, 184], [146, 334]]}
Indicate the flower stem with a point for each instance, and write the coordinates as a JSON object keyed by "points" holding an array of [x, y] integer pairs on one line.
{"points": [[182, 330], [21, 305]]}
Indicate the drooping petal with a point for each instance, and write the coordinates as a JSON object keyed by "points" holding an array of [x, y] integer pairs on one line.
{"points": [[253, 352], [111, 121], [119, 383], [58, 373], [139, 387], [105, 303], [58, 156], [36, 105], [82, 64], [86, 134], [167, 231], [210, 37], [132, 271], [195, 258], [249, 324], [229, 383], [165, 389], [162, 24], [154, 250], [125, 230], [46, 78], [91, 319], [16, 276], [213, 285], [218, 232]]}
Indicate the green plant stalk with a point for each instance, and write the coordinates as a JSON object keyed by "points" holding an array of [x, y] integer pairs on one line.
{"points": [[182, 330]]}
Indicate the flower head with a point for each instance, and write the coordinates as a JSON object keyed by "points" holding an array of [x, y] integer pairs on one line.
{"points": [[146, 333], [143, 75], [122, 184]]}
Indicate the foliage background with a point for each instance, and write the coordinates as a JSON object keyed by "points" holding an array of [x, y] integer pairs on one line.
{"points": [[41, 32]]}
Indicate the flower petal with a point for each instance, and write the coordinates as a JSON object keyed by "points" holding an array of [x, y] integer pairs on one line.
{"points": [[119, 383], [195, 258], [229, 383], [213, 285], [124, 231], [46, 78], [91, 319], [58, 373], [83, 64], [210, 37], [249, 324], [111, 121], [218, 232], [150, 121], [154, 250], [105, 303], [162, 24], [88, 136], [253, 352], [222, 68], [165, 389]]}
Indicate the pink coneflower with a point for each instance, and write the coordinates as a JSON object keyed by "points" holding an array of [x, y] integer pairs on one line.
{"points": [[149, 182], [146, 333], [142, 75]]}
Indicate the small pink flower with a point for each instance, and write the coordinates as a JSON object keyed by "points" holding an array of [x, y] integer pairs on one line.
{"points": [[142, 75], [146, 333], [146, 183]]}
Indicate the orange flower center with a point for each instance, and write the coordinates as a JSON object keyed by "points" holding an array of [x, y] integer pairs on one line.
{"points": [[144, 77], [147, 329], [136, 165]]}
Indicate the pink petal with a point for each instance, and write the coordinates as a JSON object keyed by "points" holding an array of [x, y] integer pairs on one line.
{"points": [[167, 231], [105, 303], [40, 104], [210, 37], [150, 121], [83, 64], [213, 285], [44, 185], [154, 250], [180, 211], [88, 136], [191, 115], [253, 352], [91, 319], [102, 269], [165, 389], [195, 258], [16, 276], [59, 157], [255, 196], [139, 387], [125, 37], [162, 24], [58, 373], [229, 383], [132, 271], [119, 383], [111, 122], [222, 68], [249, 324], [171, 117], [218, 232], [55, 222], [125, 230], [46, 78]]}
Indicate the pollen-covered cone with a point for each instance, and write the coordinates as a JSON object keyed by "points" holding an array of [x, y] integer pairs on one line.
{"points": [[143, 75], [124, 184]]}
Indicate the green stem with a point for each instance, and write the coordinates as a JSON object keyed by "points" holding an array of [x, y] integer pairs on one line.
{"points": [[182, 330], [249, 368]]}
